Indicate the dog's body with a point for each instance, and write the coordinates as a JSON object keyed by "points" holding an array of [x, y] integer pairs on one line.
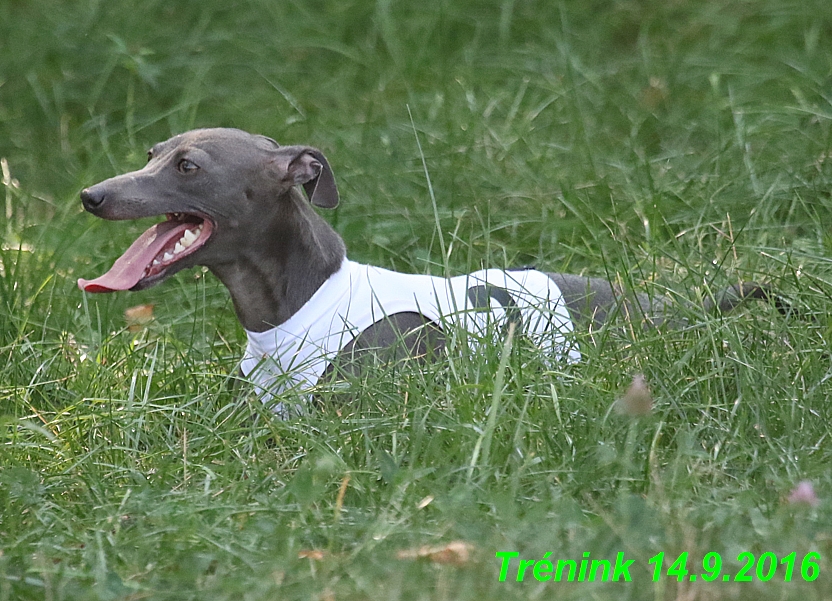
{"points": [[232, 205], [356, 297]]}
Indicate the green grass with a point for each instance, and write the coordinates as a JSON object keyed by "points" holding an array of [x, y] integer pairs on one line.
{"points": [[676, 146]]}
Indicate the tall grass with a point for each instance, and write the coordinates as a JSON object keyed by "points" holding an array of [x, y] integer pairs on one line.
{"points": [[674, 147]]}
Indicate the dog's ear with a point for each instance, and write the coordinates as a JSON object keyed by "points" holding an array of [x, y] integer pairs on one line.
{"points": [[308, 166], [266, 142]]}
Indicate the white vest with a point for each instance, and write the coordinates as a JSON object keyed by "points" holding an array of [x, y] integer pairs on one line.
{"points": [[296, 353]]}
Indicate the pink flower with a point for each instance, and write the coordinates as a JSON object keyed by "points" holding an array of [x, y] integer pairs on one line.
{"points": [[804, 494], [637, 400]]}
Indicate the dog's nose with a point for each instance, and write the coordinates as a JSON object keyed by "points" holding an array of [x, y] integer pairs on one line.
{"points": [[91, 198]]}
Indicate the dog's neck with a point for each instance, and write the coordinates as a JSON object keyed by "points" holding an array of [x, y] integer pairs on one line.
{"points": [[271, 281]]}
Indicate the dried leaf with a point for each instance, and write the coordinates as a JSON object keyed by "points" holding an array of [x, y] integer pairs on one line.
{"points": [[314, 554], [339, 501], [456, 553], [425, 502], [327, 595], [655, 94], [138, 317]]}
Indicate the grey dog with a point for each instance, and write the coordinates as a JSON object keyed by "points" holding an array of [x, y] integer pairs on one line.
{"points": [[231, 204]]}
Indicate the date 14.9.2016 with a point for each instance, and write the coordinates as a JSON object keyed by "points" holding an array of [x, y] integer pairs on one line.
{"points": [[762, 568]]}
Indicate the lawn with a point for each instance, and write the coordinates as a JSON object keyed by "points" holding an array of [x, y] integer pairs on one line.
{"points": [[674, 146]]}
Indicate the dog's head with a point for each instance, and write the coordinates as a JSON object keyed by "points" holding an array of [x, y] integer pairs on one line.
{"points": [[216, 188]]}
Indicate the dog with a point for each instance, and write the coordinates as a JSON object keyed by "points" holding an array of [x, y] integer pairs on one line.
{"points": [[232, 204]]}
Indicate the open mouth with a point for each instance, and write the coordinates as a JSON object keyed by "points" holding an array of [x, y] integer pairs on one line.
{"points": [[149, 257]]}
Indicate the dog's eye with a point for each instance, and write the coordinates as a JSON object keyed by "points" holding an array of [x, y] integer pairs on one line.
{"points": [[186, 166]]}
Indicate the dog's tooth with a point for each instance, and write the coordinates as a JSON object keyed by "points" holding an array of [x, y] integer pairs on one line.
{"points": [[167, 257], [188, 237], [178, 248], [156, 261]]}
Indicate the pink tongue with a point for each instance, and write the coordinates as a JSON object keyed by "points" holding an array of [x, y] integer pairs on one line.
{"points": [[129, 267]]}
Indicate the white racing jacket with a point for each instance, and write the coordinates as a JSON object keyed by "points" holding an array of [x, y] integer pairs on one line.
{"points": [[296, 353]]}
